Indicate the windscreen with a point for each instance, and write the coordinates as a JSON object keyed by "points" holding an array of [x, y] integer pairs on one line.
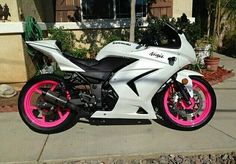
{"points": [[169, 37]]}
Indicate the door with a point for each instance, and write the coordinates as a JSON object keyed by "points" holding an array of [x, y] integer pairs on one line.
{"points": [[160, 8]]}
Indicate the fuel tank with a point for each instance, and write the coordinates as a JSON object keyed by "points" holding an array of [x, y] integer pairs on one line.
{"points": [[119, 48]]}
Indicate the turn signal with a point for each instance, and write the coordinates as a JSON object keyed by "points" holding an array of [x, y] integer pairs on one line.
{"points": [[184, 81]]}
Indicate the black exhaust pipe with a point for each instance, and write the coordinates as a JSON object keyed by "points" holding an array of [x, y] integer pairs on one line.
{"points": [[62, 101]]}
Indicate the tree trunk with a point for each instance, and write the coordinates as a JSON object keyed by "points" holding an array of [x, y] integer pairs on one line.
{"points": [[132, 21], [208, 22], [218, 18], [221, 36]]}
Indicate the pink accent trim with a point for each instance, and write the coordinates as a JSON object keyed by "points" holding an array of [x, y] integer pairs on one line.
{"points": [[199, 119], [28, 107]]}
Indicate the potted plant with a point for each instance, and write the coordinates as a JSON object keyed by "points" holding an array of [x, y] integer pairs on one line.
{"points": [[211, 62], [204, 51]]}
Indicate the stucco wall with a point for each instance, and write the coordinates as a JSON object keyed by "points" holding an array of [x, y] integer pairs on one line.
{"points": [[12, 61], [182, 6], [12, 58]]}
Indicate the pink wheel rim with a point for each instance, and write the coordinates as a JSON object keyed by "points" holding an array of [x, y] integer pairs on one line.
{"points": [[29, 107], [196, 120]]}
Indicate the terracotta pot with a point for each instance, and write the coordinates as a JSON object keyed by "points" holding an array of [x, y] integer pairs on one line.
{"points": [[212, 63]]}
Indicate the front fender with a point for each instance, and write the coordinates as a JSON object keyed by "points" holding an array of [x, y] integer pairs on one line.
{"points": [[185, 74]]}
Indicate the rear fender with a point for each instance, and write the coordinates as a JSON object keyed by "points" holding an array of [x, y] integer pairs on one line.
{"points": [[185, 74]]}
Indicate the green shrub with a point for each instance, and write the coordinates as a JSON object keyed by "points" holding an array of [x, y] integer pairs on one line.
{"points": [[152, 33], [67, 38], [98, 38], [79, 53], [110, 38], [192, 31]]}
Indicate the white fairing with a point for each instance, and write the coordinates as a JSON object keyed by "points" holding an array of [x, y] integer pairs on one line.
{"points": [[50, 49], [148, 73], [136, 83]]}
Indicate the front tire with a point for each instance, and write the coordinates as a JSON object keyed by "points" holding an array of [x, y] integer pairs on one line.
{"points": [[39, 119], [188, 117]]}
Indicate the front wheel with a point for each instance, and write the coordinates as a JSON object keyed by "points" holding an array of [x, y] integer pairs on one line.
{"points": [[189, 117]]}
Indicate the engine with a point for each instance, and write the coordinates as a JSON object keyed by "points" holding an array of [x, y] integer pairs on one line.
{"points": [[109, 98]]}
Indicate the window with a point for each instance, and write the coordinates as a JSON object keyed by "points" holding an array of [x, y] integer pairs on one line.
{"points": [[104, 9], [122, 8], [97, 9], [141, 8], [77, 10]]}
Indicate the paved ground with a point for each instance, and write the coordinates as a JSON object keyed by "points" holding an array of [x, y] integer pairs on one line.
{"points": [[19, 144]]}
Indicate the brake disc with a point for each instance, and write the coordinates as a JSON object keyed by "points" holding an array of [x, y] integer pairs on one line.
{"points": [[187, 113]]}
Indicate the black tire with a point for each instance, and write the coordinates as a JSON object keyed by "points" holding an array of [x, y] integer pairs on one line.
{"points": [[204, 119], [70, 117]]}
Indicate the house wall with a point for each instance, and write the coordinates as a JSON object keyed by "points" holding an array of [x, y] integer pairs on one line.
{"points": [[12, 60], [182, 6], [13, 67]]}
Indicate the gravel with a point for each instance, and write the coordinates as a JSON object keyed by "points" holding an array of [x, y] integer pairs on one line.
{"points": [[223, 158]]}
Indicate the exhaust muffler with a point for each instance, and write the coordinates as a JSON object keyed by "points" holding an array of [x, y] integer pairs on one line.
{"points": [[56, 99]]}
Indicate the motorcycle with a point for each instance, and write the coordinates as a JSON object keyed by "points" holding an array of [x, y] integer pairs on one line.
{"points": [[125, 81]]}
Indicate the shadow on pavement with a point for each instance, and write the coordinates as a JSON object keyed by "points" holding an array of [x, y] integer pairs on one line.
{"points": [[165, 124], [104, 122], [119, 122]]}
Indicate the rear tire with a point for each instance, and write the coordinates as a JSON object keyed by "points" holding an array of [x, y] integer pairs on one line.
{"points": [[184, 117], [46, 121]]}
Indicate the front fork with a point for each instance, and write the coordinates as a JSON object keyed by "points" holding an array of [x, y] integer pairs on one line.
{"points": [[182, 90], [184, 84]]}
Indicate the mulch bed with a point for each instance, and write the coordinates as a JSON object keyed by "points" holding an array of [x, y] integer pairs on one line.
{"points": [[10, 104], [219, 76], [8, 108]]}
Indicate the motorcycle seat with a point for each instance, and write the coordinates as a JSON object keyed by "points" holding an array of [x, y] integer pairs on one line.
{"points": [[108, 64], [78, 61]]}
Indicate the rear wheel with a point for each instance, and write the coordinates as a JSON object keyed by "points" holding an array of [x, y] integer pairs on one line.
{"points": [[40, 115], [178, 113]]}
